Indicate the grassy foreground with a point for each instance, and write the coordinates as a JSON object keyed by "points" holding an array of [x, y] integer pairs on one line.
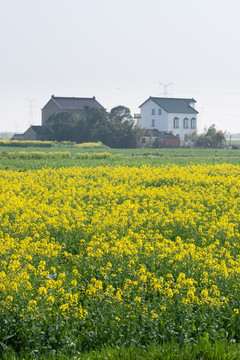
{"points": [[57, 156], [202, 350]]}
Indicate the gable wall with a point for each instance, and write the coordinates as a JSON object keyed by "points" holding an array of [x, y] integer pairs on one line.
{"points": [[29, 134], [49, 109], [161, 121]]}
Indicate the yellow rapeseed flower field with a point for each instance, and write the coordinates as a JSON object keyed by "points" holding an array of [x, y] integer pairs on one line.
{"points": [[120, 254]]}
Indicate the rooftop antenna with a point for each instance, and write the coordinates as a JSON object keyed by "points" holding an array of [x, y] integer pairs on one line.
{"points": [[30, 111], [165, 88]]}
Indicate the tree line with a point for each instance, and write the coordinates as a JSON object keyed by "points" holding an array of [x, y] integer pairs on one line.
{"points": [[210, 138], [115, 129]]}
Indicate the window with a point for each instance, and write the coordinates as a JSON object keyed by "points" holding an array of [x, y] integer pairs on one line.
{"points": [[153, 123], [143, 140], [159, 111], [193, 123], [186, 123], [176, 123], [153, 111]]}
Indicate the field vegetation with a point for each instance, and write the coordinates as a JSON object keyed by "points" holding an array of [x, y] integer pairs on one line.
{"points": [[109, 254], [67, 154]]}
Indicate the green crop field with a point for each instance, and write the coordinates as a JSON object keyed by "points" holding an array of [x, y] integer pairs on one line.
{"points": [[67, 155], [234, 141], [119, 254]]}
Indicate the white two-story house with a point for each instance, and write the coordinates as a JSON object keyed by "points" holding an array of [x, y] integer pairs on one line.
{"points": [[169, 115]]}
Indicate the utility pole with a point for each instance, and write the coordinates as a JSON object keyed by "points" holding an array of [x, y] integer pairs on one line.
{"points": [[30, 111], [165, 88]]}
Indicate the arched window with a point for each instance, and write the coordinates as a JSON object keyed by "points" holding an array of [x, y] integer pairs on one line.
{"points": [[193, 123], [185, 123], [176, 123]]}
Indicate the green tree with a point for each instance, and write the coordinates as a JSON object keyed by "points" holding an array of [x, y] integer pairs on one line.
{"points": [[120, 114], [220, 138], [123, 127], [210, 138], [116, 129], [62, 126], [79, 128], [214, 138], [93, 125]]}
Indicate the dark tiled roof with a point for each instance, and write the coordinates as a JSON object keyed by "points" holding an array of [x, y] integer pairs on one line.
{"points": [[152, 132], [169, 136], [174, 105], [157, 133], [40, 130], [68, 103]]}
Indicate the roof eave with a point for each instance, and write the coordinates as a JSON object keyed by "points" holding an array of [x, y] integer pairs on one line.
{"points": [[52, 98], [169, 112], [54, 102]]}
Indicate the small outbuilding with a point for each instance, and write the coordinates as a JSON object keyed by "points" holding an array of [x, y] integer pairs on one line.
{"points": [[34, 132], [159, 139]]}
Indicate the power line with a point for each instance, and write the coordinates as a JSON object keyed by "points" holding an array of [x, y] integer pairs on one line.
{"points": [[30, 111]]}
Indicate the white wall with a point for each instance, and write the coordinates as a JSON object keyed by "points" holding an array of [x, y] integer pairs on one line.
{"points": [[181, 131], [165, 121], [161, 121]]}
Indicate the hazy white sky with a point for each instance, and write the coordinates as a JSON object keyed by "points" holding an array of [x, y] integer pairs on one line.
{"points": [[119, 51]]}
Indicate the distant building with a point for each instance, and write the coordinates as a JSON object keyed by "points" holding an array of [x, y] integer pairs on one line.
{"points": [[156, 138], [6, 135], [55, 105], [68, 104], [34, 132], [169, 115]]}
